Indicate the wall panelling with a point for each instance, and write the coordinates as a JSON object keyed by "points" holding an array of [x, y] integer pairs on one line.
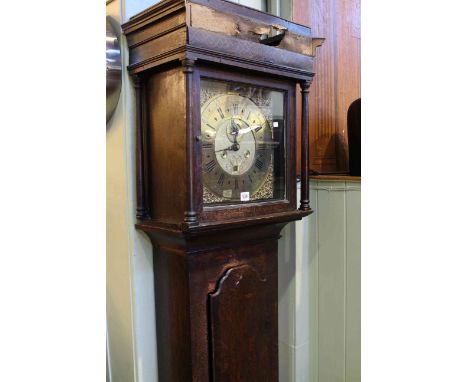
{"points": [[337, 81]]}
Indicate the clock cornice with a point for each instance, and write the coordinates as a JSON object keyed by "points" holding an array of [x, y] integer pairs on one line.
{"points": [[217, 31]]}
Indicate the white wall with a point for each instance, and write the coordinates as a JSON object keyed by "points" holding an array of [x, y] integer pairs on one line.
{"points": [[119, 302], [130, 296]]}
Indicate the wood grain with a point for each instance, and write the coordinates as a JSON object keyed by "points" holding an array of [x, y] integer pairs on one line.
{"points": [[167, 148], [240, 344], [219, 31], [194, 321], [344, 178], [337, 81], [245, 28]]}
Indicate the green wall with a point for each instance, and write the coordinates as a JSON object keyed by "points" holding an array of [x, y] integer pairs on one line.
{"points": [[319, 288]]}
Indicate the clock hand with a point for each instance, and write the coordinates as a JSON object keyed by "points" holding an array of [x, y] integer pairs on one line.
{"points": [[247, 129], [233, 147], [268, 143], [226, 149]]}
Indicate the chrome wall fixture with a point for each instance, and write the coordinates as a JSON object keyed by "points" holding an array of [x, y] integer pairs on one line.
{"points": [[113, 70]]}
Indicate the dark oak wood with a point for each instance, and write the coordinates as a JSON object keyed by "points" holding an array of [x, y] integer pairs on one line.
{"points": [[142, 211], [190, 215], [240, 327], [188, 272], [215, 265], [217, 30], [343, 178], [174, 153], [167, 154], [305, 85], [245, 27]]}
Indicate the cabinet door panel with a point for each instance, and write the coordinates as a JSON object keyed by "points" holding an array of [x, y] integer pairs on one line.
{"points": [[243, 327]]}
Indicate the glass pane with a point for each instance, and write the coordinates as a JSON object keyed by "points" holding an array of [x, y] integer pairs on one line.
{"points": [[280, 8], [257, 4], [243, 142]]}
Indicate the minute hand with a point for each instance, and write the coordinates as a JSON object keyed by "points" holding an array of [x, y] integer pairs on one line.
{"points": [[247, 129]]}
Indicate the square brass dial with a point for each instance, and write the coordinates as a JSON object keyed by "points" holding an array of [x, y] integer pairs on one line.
{"points": [[243, 142]]}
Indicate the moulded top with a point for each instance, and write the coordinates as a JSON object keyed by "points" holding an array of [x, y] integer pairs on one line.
{"points": [[220, 31]]}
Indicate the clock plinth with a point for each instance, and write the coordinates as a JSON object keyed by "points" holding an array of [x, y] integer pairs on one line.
{"points": [[216, 181]]}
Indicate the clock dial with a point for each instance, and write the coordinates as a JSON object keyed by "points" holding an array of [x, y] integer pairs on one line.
{"points": [[243, 142], [237, 144]]}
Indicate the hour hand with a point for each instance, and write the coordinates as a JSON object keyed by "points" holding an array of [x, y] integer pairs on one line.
{"points": [[233, 147]]}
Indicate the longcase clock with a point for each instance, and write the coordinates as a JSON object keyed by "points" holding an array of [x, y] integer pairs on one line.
{"points": [[216, 158]]}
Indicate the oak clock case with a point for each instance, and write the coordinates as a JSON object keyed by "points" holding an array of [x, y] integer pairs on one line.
{"points": [[216, 139]]}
